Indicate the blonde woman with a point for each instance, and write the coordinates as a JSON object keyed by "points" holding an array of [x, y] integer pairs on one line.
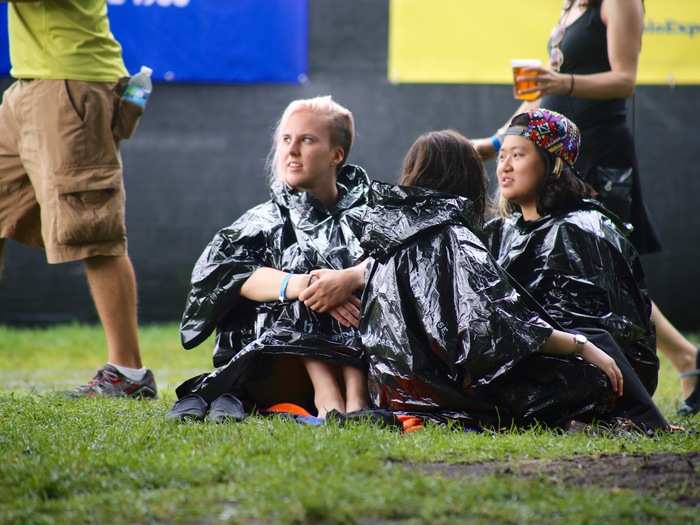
{"points": [[248, 282]]}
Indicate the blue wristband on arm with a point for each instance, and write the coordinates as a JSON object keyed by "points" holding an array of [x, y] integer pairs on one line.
{"points": [[496, 142], [283, 287]]}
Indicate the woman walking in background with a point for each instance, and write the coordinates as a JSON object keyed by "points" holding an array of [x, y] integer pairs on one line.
{"points": [[594, 55]]}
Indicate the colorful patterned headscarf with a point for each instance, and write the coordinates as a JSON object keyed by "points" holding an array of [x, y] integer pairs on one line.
{"points": [[551, 132]]}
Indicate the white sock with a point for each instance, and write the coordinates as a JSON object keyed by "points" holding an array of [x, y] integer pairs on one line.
{"points": [[135, 374]]}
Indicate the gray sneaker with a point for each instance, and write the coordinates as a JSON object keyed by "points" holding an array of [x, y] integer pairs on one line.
{"points": [[111, 382]]}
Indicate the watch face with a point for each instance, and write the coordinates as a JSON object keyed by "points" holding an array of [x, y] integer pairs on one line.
{"points": [[580, 339]]}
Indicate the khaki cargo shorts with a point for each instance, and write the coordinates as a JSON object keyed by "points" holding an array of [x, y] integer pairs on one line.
{"points": [[61, 185]]}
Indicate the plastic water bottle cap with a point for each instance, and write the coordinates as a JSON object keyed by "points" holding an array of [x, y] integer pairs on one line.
{"points": [[146, 70]]}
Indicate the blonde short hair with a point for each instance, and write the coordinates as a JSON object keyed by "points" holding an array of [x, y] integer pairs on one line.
{"points": [[340, 121]]}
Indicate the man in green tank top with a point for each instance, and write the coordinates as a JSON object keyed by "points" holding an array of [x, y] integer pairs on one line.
{"points": [[61, 185], [63, 39]]}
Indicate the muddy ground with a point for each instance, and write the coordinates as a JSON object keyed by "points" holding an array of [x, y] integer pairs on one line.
{"points": [[669, 476]]}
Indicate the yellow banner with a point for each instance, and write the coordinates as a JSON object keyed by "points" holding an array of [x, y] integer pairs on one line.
{"points": [[473, 42]]}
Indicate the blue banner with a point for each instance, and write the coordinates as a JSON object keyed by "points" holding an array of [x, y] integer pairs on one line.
{"points": [[226, 41], [4, 45]]}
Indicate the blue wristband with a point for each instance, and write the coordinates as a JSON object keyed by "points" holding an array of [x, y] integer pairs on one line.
{"points": [[496, 142], [283, 287]]}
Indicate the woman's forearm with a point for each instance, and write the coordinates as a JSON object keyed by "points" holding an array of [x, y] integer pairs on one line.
{"points": [[527, 105], [560, 343], [485, 147], [563, 343], [358, 274], [265, 283], [603, 86]]}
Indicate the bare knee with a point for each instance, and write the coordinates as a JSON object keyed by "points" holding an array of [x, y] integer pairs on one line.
{"points": [[101, 262]]}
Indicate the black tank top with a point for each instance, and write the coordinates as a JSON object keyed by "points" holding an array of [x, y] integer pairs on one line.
{"points": [[585, 50]]}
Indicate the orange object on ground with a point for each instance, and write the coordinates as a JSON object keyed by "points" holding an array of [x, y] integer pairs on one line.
{"points": [[411, 423], [288, 408]]}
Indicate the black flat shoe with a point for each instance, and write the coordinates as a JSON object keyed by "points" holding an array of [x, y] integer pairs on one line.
{"points": [[226, 407], [334, 416], [189, 408], [691, 405], [377, 416]]}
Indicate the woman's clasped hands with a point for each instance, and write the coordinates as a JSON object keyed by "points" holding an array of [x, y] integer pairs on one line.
{"points": [[332, 292]]}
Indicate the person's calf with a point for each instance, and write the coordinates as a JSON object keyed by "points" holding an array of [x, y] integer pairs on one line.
{"points": [[689, 381], [327, 394], [113, 288], [356, 395]]}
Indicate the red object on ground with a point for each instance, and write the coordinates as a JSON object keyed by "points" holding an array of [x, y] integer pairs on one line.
{"points": [[411, 423], [288, 408]]}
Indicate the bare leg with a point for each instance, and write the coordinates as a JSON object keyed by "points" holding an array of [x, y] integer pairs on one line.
{"points": [[113, 287], [677, 348], [327, 394], [356, 394]]}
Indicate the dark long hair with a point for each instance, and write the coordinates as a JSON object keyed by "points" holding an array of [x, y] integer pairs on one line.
{"points": [[446, 161], [560, 190]]}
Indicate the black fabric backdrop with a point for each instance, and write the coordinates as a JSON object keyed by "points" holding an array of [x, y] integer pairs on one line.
{"points": [[196, 163]]}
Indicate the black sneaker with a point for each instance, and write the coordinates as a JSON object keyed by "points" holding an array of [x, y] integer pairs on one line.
{"points": [[110, 382], [377, 416]]}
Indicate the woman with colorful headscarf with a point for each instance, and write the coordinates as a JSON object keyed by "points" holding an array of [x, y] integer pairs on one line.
{"points": [[569, 252], [594, 54]]}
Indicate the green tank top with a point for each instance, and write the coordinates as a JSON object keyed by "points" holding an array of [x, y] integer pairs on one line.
{"points": [[63, 39]]}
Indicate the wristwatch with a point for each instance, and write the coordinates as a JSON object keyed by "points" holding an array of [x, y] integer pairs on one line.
{"points": [[580, 341]]}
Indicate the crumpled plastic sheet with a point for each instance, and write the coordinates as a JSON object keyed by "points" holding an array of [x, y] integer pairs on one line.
{"points": [[586, 274], [292, 232], [446, 332]]}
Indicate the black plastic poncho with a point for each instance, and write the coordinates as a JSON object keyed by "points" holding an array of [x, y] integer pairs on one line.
{"points": [[586, 274], [446, 333], [292, 232]]}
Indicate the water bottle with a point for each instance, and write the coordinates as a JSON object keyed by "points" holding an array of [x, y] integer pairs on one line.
{"points": [[139, 87]]}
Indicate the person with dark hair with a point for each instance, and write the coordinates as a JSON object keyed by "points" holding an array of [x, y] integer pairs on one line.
{"points": [[594, 54], [560, 190], [446, 161], [568, 251]]}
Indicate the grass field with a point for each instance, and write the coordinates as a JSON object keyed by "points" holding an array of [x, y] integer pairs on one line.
{"points": [[119, 461]]}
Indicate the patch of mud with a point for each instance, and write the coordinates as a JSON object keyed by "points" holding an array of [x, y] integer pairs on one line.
{"points": [[668, 476]]}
